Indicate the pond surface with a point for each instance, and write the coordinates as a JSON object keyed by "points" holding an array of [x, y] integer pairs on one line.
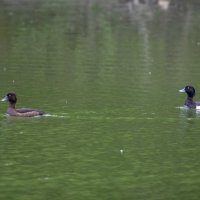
{"points": [[108, 73]]}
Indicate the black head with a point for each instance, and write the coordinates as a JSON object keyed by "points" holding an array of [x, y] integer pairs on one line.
{"points": [[10, 97], [189, 90]]}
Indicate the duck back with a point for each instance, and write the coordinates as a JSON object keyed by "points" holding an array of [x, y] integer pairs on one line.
{"points": [[26, 110]]}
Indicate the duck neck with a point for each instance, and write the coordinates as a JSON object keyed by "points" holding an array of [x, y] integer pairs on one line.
{"points": [[12, 105], [190, 99]]}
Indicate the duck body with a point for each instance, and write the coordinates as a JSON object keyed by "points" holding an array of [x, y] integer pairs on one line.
{"points": [[190, 103], [190, 91], [25, 110], [22, 112]]}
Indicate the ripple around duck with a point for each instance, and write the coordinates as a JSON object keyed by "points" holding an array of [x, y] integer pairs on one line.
{"points": [[91, 115]]}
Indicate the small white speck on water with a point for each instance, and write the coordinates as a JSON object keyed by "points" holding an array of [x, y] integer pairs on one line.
{"points": [[13, 81], [121, 151], [149, 73]]}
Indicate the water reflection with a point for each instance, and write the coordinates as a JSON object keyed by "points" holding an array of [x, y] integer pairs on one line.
{"points": [[133, 35], [163, 4]]}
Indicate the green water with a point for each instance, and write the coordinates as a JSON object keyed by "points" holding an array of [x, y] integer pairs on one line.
{"points": [[108, 73]]}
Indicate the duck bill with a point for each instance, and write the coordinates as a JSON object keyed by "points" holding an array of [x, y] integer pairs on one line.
{"points": [[182, 90], [4, 98]]}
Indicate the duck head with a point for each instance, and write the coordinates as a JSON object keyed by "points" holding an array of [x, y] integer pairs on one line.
{"points": [[189, 90], [10, 97]]}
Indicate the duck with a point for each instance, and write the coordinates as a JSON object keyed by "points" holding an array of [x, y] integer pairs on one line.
{"points": [[11, 98], [190, 91]]}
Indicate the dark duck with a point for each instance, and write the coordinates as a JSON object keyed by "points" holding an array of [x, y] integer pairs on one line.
{"points": [[190, 91], [11, 98]]}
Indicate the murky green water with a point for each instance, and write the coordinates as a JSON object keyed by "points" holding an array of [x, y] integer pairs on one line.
{"points": [[108, 72]]}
